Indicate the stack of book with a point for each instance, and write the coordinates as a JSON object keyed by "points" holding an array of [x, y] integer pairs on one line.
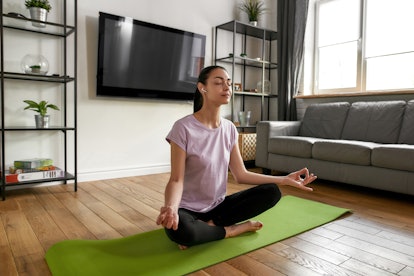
{"points": [[32, 169]]}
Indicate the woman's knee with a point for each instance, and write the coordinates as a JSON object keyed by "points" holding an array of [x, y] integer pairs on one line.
{"points": [[272, 194]]}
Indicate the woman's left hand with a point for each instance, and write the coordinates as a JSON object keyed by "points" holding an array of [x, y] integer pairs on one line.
{"points": [[295, 179]]}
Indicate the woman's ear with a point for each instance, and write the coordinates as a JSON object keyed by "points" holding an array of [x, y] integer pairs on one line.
{"points": [[200, 87]]}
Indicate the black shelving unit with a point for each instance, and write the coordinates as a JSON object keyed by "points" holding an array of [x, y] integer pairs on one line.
{"points": [[263, 63], [61, 31]]}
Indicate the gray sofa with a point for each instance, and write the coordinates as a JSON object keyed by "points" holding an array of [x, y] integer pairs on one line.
{"points": [[369, 144]]}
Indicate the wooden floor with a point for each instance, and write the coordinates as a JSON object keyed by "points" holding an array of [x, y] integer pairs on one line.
{"points": [[376, 239]]}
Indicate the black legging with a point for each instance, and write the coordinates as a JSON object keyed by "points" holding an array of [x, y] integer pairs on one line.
{"points": [[193, 228]]}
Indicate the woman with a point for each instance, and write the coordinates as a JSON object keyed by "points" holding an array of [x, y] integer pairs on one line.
{"points": [[203, 147]]}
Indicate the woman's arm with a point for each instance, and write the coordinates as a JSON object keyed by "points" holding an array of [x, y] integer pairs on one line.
{"points": [[168, 216], [241, 175]]}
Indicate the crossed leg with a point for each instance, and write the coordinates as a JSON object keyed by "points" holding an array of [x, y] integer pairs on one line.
{"points": [[234, 230], [228, 219]]}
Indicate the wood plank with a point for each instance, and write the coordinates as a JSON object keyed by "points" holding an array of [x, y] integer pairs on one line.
{"points": [[279, 263], [32, 265], [10, 204], [8, 266], [250, 266], [405, 239], [398, 230], [102, 194], [223, 269], [407, 271], [319, 251], [374, 240], [383, 252], [67, 222], [22, 240], [323, 232], [140, 192], [363, 268], [149, 211], [95, 224], [199, 273], [313, 263], [109, 216], [351, 252], [40, 221]]}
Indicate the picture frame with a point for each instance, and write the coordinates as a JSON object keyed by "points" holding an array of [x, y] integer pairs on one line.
{"points": [[237, 87]]}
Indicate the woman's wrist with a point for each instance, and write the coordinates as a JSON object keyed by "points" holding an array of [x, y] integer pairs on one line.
{"points": [[171, 207]]}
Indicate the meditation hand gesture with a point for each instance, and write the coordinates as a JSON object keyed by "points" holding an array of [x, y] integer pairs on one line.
{"points": [[295, 179], [168, 218]]}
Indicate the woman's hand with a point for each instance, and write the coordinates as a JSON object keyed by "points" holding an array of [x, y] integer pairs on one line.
{"points": [[296, 180], [168, 217]]}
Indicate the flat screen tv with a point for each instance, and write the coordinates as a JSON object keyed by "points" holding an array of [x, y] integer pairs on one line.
{"points": [[145, 60]]}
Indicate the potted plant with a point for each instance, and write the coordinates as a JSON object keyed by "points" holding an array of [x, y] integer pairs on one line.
{"points": [[42, 119], [38, 10], [253, 9], [35, 69]]}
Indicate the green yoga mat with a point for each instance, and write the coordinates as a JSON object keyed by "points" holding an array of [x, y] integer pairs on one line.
{"points": [[152, 253]]}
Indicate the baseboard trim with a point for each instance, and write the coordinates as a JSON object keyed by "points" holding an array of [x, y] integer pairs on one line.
{"points": [[122, 172]]}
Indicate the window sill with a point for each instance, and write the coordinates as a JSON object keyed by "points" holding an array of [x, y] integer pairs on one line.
{"points": [[356, 94]]}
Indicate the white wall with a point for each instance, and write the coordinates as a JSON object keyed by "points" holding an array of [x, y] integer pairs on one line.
{"points": [[124, 137]]}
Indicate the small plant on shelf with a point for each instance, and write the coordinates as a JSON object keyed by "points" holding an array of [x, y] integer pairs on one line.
{"points": [[43, 4], [35, 68], [42, 119], [38, 11], [254, 9], [40, 107]]}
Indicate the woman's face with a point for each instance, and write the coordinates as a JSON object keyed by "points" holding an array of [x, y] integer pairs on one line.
{"points": [[218, 87]]}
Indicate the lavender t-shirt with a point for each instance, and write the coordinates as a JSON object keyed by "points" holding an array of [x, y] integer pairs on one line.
{"points": [[207, 161]]}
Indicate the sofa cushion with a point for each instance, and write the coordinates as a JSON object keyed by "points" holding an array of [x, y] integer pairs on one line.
{"points": [[374, 121], [407, 128], [399, 157], [292, 146], [342, 151], [324, 120]]}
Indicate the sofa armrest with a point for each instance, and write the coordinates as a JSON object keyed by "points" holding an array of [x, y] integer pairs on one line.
{"points": [[268, 129]]}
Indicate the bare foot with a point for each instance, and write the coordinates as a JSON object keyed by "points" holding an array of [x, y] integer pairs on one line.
{"points": [[238, 229]]}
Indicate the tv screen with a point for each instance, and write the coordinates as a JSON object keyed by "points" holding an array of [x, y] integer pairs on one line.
{"points": [[140, 59]]}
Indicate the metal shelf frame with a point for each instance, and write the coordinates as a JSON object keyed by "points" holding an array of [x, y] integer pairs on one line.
{"points": [[61, 31], [265, 36]]}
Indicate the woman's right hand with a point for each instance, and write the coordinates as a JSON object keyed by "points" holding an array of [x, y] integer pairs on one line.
{"points": [[168, 217]]}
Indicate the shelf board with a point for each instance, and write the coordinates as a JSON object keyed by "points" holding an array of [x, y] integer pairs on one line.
{"points": [[247, 29], [68, 176], [32, 128], [252, 62], [33, 77], [254, 94], [25, 24], [249, 126]]}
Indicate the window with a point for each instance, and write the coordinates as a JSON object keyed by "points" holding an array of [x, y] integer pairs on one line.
{"points": [[363, 46]]}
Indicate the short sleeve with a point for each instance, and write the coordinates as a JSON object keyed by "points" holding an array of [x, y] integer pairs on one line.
{"points": [[178, 135], [235, 135]]}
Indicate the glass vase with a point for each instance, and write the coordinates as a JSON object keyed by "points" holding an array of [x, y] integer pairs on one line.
{"points": [[35, 64]]}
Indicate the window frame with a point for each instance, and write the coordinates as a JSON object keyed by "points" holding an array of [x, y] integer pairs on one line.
{"points": [[361, 58], [360, 72]]}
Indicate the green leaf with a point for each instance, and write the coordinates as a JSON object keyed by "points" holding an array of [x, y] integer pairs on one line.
{"points": [[40, 107]]}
